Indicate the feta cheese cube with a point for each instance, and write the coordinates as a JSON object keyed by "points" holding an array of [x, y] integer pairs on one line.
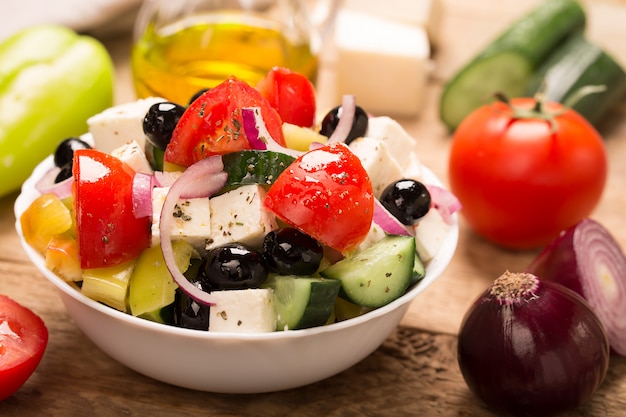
{"points": [[375, 234], [239, 216], [242, 311], [192, 219], [385, 63], [375, 157], [400, 144], [121, 124], [430, 234], [132, 154]]}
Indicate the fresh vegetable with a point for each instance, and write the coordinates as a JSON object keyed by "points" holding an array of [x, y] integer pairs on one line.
{"points": [[587, 259], [23, 341], [51, 82], [107, 230], [302, 302], [327, 194], [291, 94], [525, 170], [358, 122], [532, 348], [508, 63], [254, 167], [576, 64], [46, 217], [213, 125], [109, 284], [378, 274]]}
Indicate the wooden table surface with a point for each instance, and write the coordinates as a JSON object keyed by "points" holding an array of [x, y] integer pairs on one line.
{"points": [[415, 371]]}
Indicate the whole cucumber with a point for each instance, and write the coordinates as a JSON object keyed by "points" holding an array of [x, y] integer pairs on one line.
{"points": [[51, 81], [508, 62]]}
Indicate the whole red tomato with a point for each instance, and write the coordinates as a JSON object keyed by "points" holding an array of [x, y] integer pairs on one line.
{"points": [[23, 341], [326, 193], [526, 170]]}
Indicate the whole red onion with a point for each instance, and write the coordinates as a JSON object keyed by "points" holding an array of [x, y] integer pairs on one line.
{"points": [[532, 348]]}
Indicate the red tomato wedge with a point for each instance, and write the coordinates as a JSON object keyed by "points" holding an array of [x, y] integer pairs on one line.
{"points": [[107, 231], [327, 194], [291, 94], [23, 341], [213, 124]]}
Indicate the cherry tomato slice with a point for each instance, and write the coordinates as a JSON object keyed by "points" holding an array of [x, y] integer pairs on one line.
{"points": [[327, 194], [23, 341], [213, 124], [291, 94], [107, 231]]}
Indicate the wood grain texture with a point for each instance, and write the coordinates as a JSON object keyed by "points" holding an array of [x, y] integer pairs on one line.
{"points": [[415, 372]]}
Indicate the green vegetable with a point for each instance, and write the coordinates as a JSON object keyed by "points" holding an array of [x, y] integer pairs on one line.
{"points": [[576, 64], [51, 82], [377, 275], [302, 302], [254, 167], [510, 61]]}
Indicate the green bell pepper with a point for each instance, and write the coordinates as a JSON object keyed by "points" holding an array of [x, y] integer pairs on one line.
{"points": [[51, 81]]}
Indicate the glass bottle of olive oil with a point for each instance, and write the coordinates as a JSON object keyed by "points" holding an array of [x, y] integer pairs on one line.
{"points": [[178, 60]]}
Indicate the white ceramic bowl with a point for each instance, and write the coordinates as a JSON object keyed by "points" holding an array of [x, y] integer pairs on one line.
{"points": [[231, 363]]}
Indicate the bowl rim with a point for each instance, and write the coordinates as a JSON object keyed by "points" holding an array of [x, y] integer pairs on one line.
{"points": [[434, 269]]}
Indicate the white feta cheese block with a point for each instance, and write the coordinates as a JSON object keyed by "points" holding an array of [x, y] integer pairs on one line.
{"points": [[239, 216], [400, 144], [120, 124], [384, 63], [375, 234], [192, 219], [133, 154], [375, 157], [242, 311], [430, 234], [425, 13]]}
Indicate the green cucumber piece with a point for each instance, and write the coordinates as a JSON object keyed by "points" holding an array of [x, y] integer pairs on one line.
{"points": [[576, 64], [508, 63], [254, 167], [377, 275], [151, 286], [302, 302], [419, 270]]}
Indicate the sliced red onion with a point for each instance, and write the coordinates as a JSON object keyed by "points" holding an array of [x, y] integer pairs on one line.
{"points": [[444, 202], [348, 110], [388, 222], [588, 260], [258, 135], [165, 179], [142, 194], [530, 347], [202, 179], [61, 189]]}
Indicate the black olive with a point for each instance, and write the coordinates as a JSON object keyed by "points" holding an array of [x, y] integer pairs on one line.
{"points": [[64, 152], [407, 200], [359, 123], [160, 121], [232, 267], [288, 251]]}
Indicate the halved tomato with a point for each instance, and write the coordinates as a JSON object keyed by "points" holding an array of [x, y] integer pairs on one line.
{"points": [[213, 124], [23, 341], [107, 231], [327, 194]]}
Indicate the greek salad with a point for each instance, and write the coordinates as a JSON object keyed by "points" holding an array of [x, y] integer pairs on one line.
{"points": [[238, 211]]}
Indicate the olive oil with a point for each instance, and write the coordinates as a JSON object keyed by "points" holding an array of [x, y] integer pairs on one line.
{"points": [[177, 61]]}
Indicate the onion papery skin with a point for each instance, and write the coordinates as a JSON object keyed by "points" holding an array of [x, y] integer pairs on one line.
{"points": [[539, 352], [586, 259]]}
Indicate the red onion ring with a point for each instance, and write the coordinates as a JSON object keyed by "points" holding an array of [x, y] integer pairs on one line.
{"points": [[444, 202], [258, 135], [388, 222], [142, 194], [202, 179], [61, 189], [348, 110]]}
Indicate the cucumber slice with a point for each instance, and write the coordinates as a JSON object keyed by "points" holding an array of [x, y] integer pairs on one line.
{"points": [[377, 275], [151, 286], [254, 167], [576, 64], [302, 302], [508, 63], [419, 270]]}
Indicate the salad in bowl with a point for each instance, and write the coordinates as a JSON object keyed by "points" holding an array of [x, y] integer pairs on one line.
{"points": [[208, 244]]}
